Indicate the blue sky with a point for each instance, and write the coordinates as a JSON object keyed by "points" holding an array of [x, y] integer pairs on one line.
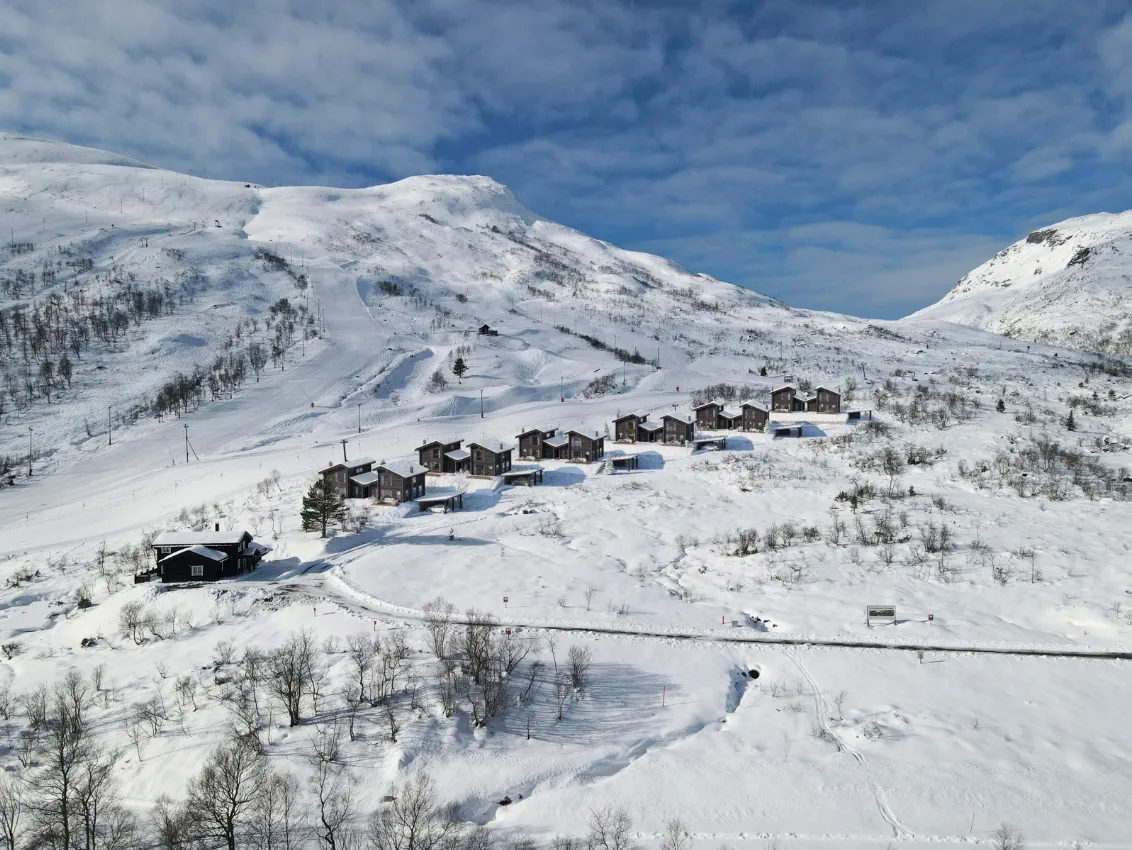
{"points": [[857, 157]]}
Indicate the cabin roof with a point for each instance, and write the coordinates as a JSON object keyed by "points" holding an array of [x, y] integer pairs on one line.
{"points": [[784, 387], [202, 538], [441, 443], [651, 426], [573, 433], [557, 442], [680, 417], [403, 468], [458, 454], [712, 403], [827, 389], [365, 479], [636, 414], [755, 406], [530, 431], [498, 450], [203, 551], [730, 414]]}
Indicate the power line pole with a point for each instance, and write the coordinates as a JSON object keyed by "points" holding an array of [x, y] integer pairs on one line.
{"points": [[29, 451], [344, 450], [481, 404], [359, 417], [109, 428], [186, 442]]}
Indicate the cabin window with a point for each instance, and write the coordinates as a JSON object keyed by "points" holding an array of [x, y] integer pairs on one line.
{"points": [[197, 570]]}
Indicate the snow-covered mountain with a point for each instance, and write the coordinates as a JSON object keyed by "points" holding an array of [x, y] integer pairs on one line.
{"points": [[1069, 284]]}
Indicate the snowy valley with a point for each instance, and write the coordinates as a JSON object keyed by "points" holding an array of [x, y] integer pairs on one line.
{"points": [[578, 655]]}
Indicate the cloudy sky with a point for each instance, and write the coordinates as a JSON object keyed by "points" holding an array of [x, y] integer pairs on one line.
{"points": [[853, 156]]}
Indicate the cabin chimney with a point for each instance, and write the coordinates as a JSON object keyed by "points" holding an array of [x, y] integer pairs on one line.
{"points": [[217, 526]]}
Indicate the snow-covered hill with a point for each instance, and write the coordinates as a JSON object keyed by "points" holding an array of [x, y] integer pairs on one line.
{"points": [[962, 497], [1069, 284]]}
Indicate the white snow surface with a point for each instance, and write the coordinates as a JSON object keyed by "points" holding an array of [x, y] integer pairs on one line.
{"points": [[1069, 284], [640, 567]]}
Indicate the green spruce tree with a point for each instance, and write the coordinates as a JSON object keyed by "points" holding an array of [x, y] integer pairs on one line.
{"points": [[322, 506], [1070, 422], [1001, 406], [459, 367]]}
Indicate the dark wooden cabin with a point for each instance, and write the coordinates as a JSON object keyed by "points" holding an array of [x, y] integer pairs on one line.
{"points": [[625, 463], [729, 419], [707, 415], [556, 447], [679, 429], [785, 400], [530, 442], [824, 400], [627, 428], [489, 461], [342, 475], [400, 481], [585, 448], [754, 417], [650, 432], [205, 555], [437, 456]]}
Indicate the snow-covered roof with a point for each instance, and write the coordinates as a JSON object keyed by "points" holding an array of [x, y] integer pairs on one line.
{"points": [[530, 431], [712, 403], [557, 442], [203, 538], [636, 413], [827, 389], [498, 448], [403, 468], [258, 548], [651, 426], [360, 461], [365, 479], [458, 454], [432, 443], [203, 551], [730, 414], [784, 387], [584, 434], [752, 404], [680, 417]]}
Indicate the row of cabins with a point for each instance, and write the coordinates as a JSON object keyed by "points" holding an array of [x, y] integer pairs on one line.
{"points": [[674, 429], [548, 444], [478, 459]]}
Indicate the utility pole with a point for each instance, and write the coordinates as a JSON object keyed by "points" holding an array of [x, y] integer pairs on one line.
{"points": [[344, 449], [29, 451], [359, 417], [109, 428], [481, 404], [186, 442]]}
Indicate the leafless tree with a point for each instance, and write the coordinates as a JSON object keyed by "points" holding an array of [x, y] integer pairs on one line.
{"points": [[414, 820], [562, 691], [475, 643], [172, 825], [676, 836], [1008, 838], [293, 673], [439, 614], [839, 701], [392, 720], [579, 659], [221, 797], [551, 640], [362, 649], [11, 811], [610, 829], [276, 820], [589, 595], [352, 698], [333, 789], [132, 619]]}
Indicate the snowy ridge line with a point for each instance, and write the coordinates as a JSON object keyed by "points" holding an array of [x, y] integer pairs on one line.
{"points": [[715, 636], [910, 843]]}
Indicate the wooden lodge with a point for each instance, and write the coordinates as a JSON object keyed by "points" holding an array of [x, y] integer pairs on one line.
{"points": [[714, 416], [556, 447], [487, 330], [531, 443], [584, 448], [489, 462], [399, 481], [707, 415], [437, 456], [679, 429], [204, 555], [650, 432], [627, 428], [754, 417], [350, 478], [786, 399]]}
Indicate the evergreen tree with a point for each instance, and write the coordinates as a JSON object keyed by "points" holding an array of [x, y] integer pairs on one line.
{"points": [[1001, 406], [762, 371], [322, 506], [1070, 423], [459, 367]]}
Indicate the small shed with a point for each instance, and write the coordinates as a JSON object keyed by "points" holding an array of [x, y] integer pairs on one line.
{"points": [[524, 477], [624, 463], [787, 431], [448, 501], [701, 443]]}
